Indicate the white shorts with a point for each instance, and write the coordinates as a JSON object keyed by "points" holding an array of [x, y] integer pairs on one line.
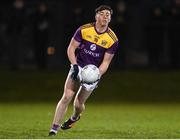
{"points": [[88, 87]]}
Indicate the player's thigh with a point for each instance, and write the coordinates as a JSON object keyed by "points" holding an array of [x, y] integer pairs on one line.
{"points": [[82, 95], [71, 86]]}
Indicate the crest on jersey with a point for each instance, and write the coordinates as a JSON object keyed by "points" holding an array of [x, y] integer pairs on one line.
{"points": [[96, 38], [93, 47], [104, 42]]}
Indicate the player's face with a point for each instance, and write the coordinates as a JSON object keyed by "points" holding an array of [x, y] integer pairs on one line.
{"points": [[103, 17]]}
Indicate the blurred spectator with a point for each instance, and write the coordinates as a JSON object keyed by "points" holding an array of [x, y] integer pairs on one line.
{"points": [[155, 35], [119, 24], [174, 34], [16, 26], [41, 34]]}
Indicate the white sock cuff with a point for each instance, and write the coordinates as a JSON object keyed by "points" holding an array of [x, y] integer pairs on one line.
{"points": [[52, 130]]}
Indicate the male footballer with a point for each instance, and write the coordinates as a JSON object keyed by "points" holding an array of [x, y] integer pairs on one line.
{"points": [[93, 43]]}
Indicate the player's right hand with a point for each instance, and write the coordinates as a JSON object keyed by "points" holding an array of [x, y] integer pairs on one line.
{"points": [[75, 71]]}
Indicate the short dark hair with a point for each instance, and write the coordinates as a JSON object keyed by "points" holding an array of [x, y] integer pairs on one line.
{"points": [[104, 7]]}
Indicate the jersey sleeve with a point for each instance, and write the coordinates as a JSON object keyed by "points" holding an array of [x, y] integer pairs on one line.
{"points": [[113, 49], [78, 36]]}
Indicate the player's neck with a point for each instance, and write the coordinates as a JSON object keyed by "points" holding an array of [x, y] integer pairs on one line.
{"points": [[100, 29]]}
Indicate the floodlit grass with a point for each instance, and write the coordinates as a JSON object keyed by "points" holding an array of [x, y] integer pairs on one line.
{"points": [[33, 120], [127, 104]]}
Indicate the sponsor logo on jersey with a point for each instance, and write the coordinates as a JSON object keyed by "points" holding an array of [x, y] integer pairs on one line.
{"points": [[93, 47], [91, 53]]}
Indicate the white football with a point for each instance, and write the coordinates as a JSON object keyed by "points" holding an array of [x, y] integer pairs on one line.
{"points": [[90, 73]]}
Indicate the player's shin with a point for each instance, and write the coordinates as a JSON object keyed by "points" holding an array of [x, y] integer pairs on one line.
{"points": [[78, 109]]}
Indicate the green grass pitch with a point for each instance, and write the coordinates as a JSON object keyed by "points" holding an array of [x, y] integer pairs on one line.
{"points": [[127, 104], [105, 121]]}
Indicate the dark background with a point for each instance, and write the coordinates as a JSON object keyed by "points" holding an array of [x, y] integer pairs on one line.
{"points": [[148, 32], [35, 34]]}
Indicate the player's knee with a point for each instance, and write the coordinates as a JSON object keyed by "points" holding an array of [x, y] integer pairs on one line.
{"points": [[69, 92], [79, 105], [67, 97]]}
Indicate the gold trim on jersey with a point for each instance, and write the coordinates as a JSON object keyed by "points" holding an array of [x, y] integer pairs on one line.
{"points": [[87, 25], [105, 40], [112, 35]]}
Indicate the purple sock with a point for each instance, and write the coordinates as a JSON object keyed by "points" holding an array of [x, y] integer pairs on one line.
{"points": [[55, 127]]}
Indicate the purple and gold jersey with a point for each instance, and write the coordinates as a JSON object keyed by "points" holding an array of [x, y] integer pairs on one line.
{"points": [[94, 45]]}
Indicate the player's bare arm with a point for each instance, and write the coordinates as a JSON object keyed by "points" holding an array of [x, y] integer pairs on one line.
{"points": [[71, 51], [105, 63], [72, 58]]}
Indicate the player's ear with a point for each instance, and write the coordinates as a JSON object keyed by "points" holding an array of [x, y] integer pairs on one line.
{"points": [[96, 17], [110, 19]]}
